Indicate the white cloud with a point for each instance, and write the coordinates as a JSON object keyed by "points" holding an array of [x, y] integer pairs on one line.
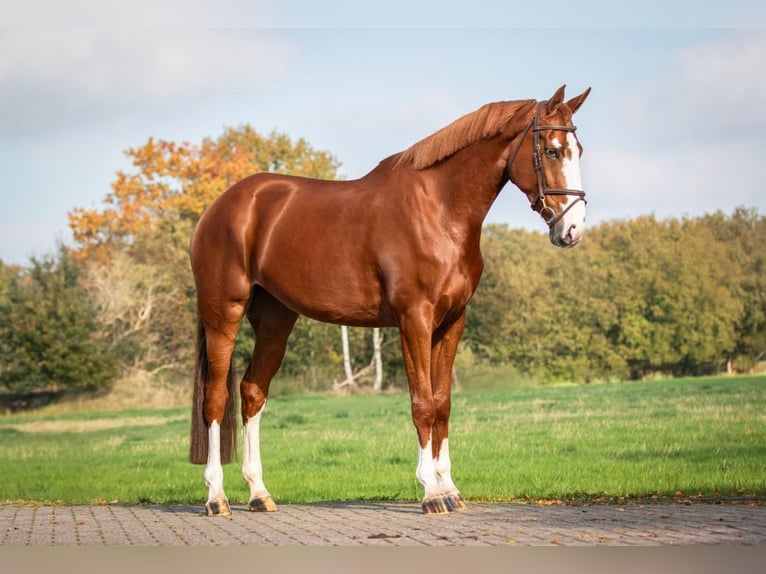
{"points": [[47, 76], [688, 142], [709, 89], [687, 181], [588, 14], [117, 13]]}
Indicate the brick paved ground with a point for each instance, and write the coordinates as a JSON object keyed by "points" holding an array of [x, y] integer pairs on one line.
{"points": [[386, 524]]}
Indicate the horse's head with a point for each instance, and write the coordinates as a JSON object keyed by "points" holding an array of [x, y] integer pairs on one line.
{"points": [[545, 164]]}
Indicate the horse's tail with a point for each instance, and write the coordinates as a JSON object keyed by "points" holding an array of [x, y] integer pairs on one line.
{"points": [[199, 435]]}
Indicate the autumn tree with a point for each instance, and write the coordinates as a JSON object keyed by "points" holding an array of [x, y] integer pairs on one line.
{"points": [[136, 243], [179, 181]]}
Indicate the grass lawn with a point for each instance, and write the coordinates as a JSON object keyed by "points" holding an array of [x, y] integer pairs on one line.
{"points": [[697, 436]]}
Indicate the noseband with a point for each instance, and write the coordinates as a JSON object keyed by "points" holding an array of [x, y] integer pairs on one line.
{"points": [[546, 212]]}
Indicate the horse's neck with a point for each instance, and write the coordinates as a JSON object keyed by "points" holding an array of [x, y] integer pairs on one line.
{"points": [[470, 180]]}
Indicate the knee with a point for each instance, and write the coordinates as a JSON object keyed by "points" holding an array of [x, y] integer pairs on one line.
{"points": [[423, 413], [442, 407], [253, 399], [215, 406]]}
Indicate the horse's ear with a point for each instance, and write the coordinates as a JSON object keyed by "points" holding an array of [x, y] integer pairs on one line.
{"points": [[556, 100], [575, 103]]}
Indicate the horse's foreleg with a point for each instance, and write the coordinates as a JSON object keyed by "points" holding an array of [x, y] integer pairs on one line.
{"points": [[416, 336], [272, 323], [442, 359]]}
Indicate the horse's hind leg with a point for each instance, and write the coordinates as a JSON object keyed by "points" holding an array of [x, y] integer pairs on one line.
{"points": [[219, 317], [272, 323], [219, 348]]}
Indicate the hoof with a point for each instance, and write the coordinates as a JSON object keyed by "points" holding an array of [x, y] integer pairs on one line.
{"points": [[457, 502], [218, 507], [444, 504], [262, 504]]}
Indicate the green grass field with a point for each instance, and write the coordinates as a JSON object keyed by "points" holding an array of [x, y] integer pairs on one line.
{"points": [[697, 436]]}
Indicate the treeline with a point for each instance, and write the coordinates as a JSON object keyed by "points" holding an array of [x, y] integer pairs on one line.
{"points": [[635, 298]]}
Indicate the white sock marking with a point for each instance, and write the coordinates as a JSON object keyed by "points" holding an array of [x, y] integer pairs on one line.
{"points": [[444, 470], [252, 470], [435, 474], [426, 471], [214, 470]]}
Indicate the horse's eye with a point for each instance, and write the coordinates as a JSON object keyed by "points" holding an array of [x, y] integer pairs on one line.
{"points": [[552, 152]]}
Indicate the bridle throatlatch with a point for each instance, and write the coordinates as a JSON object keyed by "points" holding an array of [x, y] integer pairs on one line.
{"points": [[546, 212]]}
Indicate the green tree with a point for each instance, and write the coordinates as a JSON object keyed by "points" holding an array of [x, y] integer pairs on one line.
{"points": [[637, 297], [500, 292], [744, 235], [675, 294], [533, 308], [5, 280], [50, 333]]}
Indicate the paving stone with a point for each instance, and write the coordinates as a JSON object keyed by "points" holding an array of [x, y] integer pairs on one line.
{"points": [[386, 524]]}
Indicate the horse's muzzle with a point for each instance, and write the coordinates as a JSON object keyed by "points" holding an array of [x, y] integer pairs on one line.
{"points": [[566, 236]]}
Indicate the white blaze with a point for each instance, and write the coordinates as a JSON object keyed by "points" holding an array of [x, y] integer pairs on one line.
{"points": [[571, 165], [573, 222]]}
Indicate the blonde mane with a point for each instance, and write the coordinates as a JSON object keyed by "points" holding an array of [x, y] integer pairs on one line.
{"points": [[485, 122]]}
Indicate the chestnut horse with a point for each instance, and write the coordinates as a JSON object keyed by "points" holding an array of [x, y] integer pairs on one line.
{"points": [[397, 248]]}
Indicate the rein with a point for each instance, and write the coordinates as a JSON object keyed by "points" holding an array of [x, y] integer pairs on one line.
{"points": [[546, 212]]}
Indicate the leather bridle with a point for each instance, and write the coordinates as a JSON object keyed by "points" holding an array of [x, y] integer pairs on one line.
{"points": [[546, 212]]}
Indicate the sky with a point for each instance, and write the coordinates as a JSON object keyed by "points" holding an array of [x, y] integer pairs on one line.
{"points": [[673, 127]]}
